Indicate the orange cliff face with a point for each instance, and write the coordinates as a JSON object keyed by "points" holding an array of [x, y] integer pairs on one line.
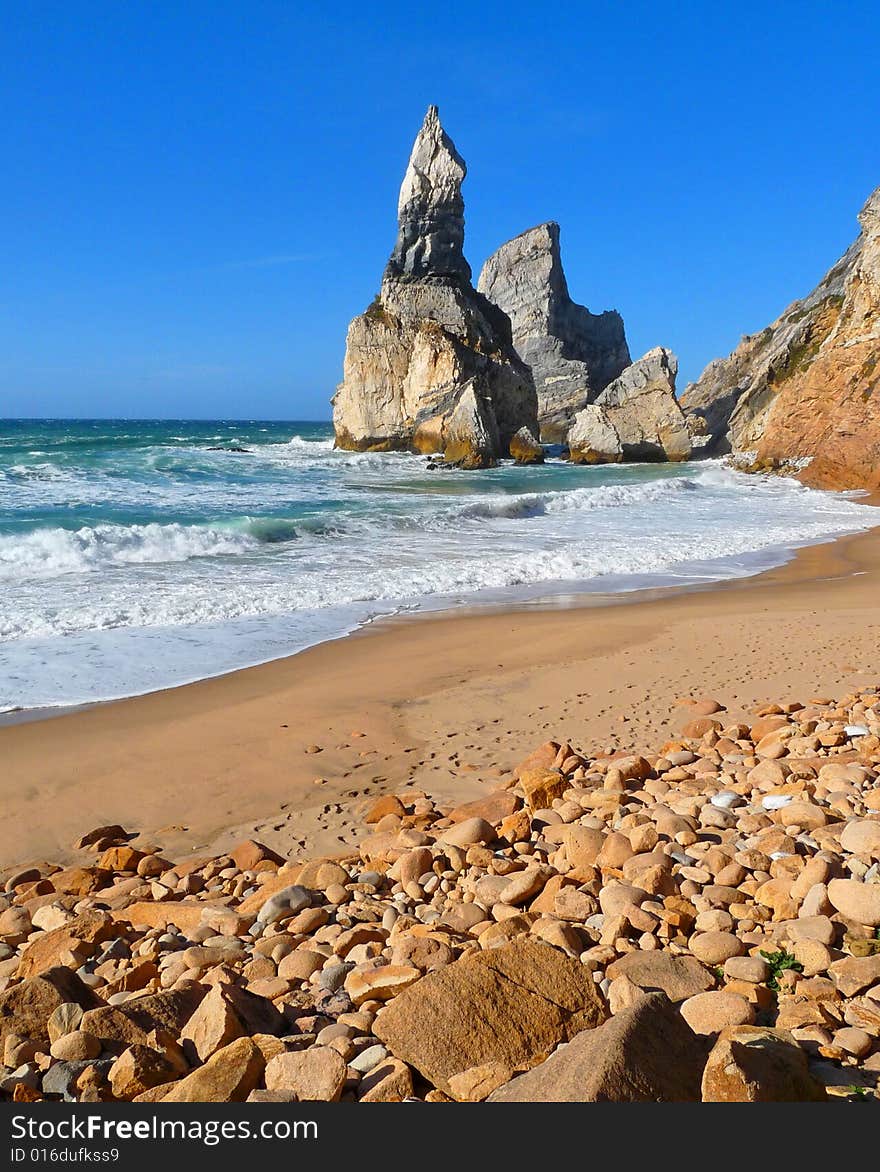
{"points": [[805, 393]]}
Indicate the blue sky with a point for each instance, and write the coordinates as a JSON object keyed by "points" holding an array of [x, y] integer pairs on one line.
{"points": [[198, 197]]}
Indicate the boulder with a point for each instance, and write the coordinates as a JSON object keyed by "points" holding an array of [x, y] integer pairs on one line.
{"points": [[640, 409], [494, 808], [283, 904], [857, 901], [380, 984], [469, 435], [715, 947], [862, 837], [44, 952], [757, 1064], [593, 439], [227, 1012], [138, 1069], [468, 832], [525, 449], [228, 1076], [133, 1023], [679, 977], [75, 1046], [112, 835], [583, 844], [626, 1060], [389, 1082], [511, 1005], [25, 1008], [168, 1010], [710, 1013], [541, 786], [854, 974], [316, 1074], [248, 854]]}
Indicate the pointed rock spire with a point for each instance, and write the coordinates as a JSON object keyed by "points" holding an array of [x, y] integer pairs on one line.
{"points": [[430, 366], [430, 210]]}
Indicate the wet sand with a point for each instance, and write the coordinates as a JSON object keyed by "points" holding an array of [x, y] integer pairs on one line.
{"points": [[443, 702]]}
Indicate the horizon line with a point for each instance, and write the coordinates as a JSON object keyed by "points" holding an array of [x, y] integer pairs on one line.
{"points": [[153, 419]]}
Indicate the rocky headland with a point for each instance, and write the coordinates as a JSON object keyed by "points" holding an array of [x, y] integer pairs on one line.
{"points": [[802, 394], [476, 375], [697, 922], [430, 366], [573, 354]]}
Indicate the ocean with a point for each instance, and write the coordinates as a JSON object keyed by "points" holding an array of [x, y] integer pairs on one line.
{"points": [[139, 555]]}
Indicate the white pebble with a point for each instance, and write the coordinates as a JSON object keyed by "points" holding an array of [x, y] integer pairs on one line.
{"points": [[724, 800], [776, 801]]}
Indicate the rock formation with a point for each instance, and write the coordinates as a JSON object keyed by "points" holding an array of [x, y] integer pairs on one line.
{"points": [[806, 390], [637, 417], [430, 366], [573, 353]]}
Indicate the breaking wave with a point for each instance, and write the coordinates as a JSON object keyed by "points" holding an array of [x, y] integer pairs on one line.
{"points": [[539, 504]]}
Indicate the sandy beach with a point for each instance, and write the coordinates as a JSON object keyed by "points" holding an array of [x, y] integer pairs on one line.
{"points": [[290, 751]]}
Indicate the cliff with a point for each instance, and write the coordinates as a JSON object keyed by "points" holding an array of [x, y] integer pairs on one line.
{"points": [[430, 365], [803, 394], [573, 353]]}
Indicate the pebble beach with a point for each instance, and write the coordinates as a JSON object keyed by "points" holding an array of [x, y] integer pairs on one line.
{"points": [[543, 917]]}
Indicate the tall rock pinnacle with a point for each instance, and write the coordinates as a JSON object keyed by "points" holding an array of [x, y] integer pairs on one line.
{"points": [[430, 366], [430, 210]]}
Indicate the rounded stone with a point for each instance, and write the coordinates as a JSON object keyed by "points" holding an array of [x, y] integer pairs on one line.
{"points": [[469, 832], [300, 964], [753, 969], [856, 901], [284, 904], [716, 947], [368, 1058], [315, 1075], [76, 1046], [616, 897], [862, 837], [854, 1041], [710, 1013]]}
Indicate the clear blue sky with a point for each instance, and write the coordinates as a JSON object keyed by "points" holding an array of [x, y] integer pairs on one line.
{"points": [[197, 197]]}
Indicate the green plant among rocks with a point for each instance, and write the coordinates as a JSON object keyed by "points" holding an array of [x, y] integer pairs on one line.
{"points": [[780, 962]]}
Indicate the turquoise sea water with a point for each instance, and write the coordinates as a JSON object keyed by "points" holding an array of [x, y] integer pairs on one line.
{"points": [[137, 555]]}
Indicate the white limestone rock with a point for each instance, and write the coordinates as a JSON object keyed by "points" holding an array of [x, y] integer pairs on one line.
{"points": [[573, 353]]}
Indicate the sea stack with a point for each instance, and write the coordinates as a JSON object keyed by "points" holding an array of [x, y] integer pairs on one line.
{"points": [[803, 395], [573, 353], [430, 366], [637, 417]]}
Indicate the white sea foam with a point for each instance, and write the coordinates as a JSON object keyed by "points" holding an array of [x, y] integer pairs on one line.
{"points": [[252, 555], [50, 552], [309, 445], [611, 496]]}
